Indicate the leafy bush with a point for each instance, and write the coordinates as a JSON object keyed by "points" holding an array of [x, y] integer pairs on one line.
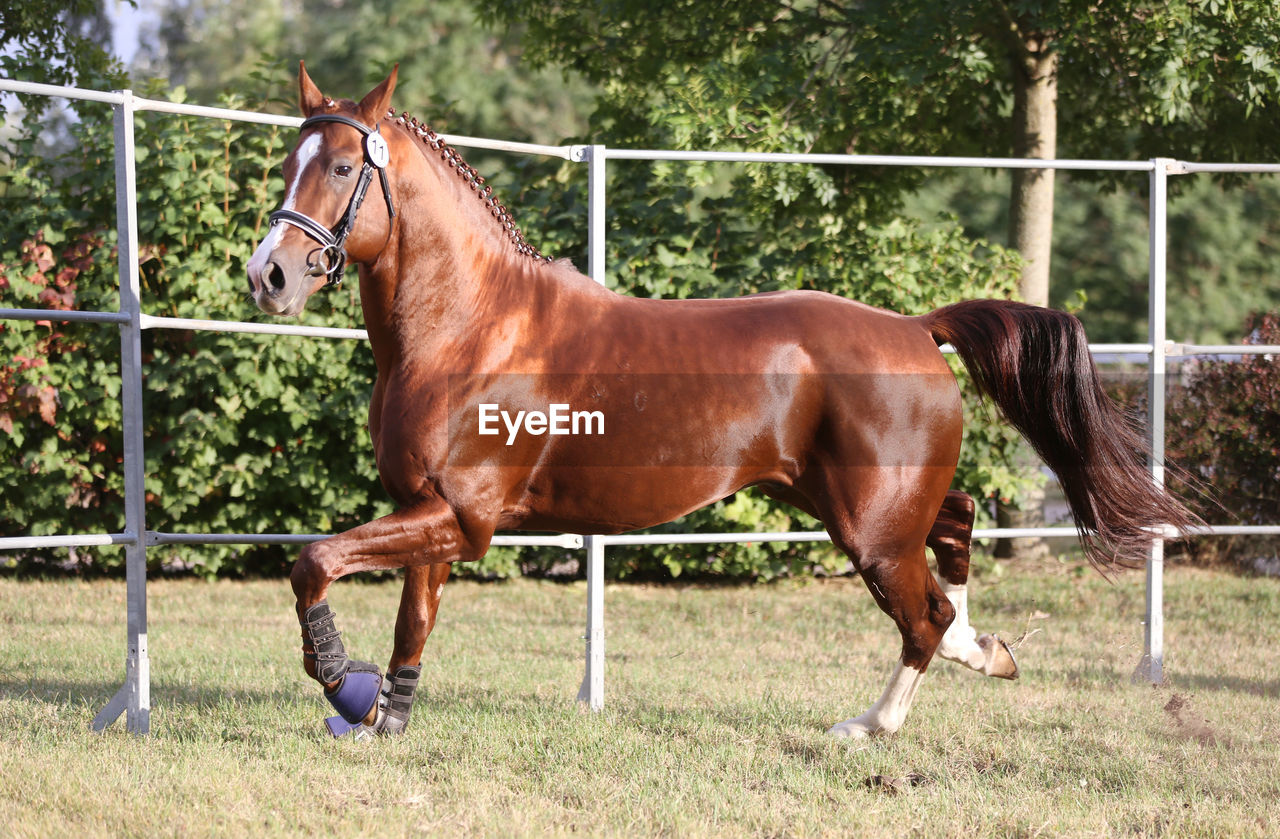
{"points": [[242, 432], [255, 434], [1224, 425]]}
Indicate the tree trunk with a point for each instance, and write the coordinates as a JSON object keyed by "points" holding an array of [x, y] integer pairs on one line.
{"points": [[1035, 134]]}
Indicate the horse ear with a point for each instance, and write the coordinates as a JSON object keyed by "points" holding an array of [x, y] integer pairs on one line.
{"points": [[374, 106], [310, 99]]}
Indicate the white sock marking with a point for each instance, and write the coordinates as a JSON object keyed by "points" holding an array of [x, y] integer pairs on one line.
{"points": [[888, 712], [960, 641]]}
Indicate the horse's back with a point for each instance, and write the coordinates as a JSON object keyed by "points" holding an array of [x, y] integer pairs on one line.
{"points": [[799, 330]]}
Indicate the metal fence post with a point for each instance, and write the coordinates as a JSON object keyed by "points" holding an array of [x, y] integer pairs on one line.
{"points": [[592, 690], [591, 693], [1151, 666], [134, 698]]}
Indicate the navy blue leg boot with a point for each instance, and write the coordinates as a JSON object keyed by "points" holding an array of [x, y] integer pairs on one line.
{"points": [[395, 703], [359, 682]]}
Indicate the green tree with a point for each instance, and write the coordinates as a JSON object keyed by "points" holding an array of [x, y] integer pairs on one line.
{"points": [[56, 42], [1223, 249], [1131, 78], [453, 72]]}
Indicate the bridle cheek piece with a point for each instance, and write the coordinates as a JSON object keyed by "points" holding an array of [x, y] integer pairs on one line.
{"points": [[332, 240]]}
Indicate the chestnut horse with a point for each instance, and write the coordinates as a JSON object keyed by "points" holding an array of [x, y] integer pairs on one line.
{"points": [[515, 393]]}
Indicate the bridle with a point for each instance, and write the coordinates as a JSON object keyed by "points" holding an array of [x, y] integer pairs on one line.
{"points": [[332, 240]]}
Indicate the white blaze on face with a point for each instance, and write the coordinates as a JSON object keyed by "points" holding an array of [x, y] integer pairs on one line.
{"points": [[306, 152]]}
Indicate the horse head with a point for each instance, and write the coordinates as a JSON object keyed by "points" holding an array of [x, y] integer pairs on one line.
{"points": [[325, 219]]}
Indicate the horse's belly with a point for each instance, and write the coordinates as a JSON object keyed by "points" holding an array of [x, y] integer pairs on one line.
{"points": [[618, 499]]}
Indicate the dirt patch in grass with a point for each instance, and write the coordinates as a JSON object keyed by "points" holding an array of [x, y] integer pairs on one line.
{"points": [[1186, 724], [896, 786]]}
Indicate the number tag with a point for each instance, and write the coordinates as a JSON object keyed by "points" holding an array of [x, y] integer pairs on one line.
{"points": [[376, 150]]}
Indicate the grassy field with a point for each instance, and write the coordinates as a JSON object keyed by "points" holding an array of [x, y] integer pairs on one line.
{"points": [[717, 700]]}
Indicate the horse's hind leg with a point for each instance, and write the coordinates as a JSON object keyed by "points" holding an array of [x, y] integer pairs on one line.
{"points": [[868, 519], [904, 589], [950, 539]]}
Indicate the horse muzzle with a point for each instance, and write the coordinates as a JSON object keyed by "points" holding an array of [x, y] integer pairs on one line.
{"points": [[280, 284]]}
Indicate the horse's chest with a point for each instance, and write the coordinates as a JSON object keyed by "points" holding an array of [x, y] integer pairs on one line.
{"points": [[409, 428]]}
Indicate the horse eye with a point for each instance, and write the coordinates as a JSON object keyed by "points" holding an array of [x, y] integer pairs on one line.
{"points": [[342, 171]]}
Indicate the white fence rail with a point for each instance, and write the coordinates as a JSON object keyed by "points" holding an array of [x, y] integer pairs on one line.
{"points": [[133, 698]]}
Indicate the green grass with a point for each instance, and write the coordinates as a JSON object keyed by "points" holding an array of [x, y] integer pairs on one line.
{"points": [[717, 700]]}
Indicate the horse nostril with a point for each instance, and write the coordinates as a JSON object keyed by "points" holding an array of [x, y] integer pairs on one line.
{"points": [[274, 279]]}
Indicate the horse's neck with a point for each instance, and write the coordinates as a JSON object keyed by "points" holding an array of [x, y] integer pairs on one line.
{"points": [[456, 281], [445, 287]]}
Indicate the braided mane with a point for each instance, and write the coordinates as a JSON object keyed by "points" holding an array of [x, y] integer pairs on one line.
{"points": [[468, 174]]}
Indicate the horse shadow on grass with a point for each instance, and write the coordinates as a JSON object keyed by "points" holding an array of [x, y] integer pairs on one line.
{"points": [[1182, 680], [1197, 682], [96, 694], [302, 701], [666, 720]]}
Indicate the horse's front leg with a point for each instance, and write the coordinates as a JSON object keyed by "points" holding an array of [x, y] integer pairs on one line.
{"points": [[425, 534], [423, 586]]}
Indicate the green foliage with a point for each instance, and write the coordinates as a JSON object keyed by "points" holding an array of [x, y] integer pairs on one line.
{"points": [[453, 72], [1136, 78], [1221, 252], [241, 431], [1223, 426], [56, 42]]}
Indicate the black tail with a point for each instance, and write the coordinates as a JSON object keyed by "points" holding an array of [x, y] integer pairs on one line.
{"points": [[1035, 365]]}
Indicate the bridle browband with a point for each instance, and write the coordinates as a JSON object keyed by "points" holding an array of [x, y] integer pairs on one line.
{"points": [[333, 240]]}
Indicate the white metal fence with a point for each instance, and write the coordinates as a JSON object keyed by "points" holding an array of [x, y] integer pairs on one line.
{"points": [[133, 698]]}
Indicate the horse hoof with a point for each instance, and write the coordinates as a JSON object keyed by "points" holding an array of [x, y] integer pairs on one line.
{"points": [[339, 728], [1000, 660], [356, 696], [854, 729]]}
